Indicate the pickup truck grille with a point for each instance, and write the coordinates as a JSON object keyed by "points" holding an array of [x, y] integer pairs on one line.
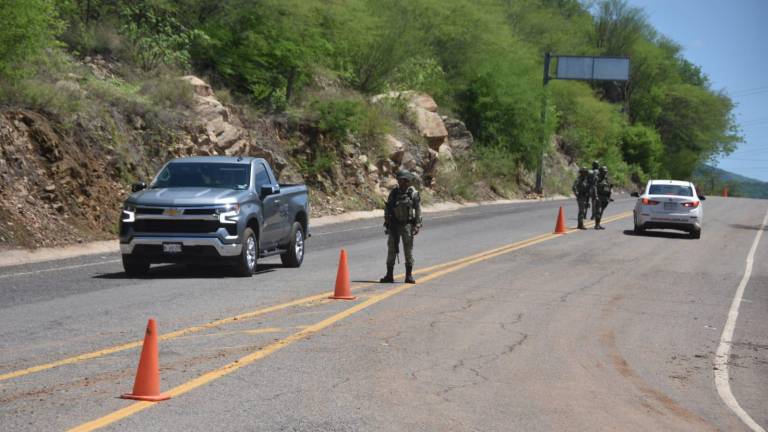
{"points": [[149, 210], [175, 226]]}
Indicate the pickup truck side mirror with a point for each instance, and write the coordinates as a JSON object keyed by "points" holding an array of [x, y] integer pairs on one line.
{"points": [[138, 186], [267, 190], [635, 194]]}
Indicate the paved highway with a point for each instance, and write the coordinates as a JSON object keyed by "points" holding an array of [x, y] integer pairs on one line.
{"points": [[509, 328]]}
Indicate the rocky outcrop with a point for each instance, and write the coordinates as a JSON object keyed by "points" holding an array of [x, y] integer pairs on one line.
{"points": [[444, 139], [221, 132], [460, 139]]}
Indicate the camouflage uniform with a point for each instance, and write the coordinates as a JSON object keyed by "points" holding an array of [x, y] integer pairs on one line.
{"points": [[603, 190], [402, 220], [593, 174], [581, 188]]}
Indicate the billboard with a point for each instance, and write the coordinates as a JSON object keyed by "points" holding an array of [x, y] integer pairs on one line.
{"points": [[592, 68]]}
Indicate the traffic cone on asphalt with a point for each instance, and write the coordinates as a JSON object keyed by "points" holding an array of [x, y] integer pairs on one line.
{"points": [[560, 225], [343, 290], [147, 384]]}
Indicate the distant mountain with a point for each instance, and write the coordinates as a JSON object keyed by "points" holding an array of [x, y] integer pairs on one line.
{"points": [[712, 180]]}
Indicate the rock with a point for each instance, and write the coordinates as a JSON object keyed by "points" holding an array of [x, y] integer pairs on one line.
{"points": [[200, 87], [430, 167], [431, 127], [409, 162], [389, 183], [445, 153], [372, 168], [394, 148], [423, 101], [412, 98], [363, 159], [50, 188], [459, 137]]}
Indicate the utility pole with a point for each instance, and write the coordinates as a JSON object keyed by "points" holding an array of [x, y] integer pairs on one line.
{"points": [[545, 135]]}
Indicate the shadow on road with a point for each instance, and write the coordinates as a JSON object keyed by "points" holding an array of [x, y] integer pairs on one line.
{"points": [[182, 271], [748, 227], [659, 234]]}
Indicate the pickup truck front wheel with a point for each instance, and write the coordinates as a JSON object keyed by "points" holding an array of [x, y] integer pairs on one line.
{"points": [[135, 266], [246, 262], [294, 256]]}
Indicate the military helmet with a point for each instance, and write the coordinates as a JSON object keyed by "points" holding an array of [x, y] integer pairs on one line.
{"points": [[595, 164], [583, 170], [603, 169], [404, 174]]}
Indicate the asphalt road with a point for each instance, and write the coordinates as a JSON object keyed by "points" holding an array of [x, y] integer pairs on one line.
{"points": [[509, 328]]}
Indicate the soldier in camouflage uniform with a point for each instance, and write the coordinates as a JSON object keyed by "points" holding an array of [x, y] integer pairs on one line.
{"points": [[581, 188], [402, 220], [603, 189], [593, 174]]}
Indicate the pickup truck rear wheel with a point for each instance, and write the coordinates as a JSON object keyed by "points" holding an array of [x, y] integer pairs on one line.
{"points": [[247, 261], [295, 254], [135, 266]]}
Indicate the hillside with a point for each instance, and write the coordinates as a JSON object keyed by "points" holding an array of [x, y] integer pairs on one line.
{"points": [[714, 179], [340, 95]]}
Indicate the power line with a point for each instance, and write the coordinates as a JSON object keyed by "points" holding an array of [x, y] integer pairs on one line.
{"points": [[749, 90]]}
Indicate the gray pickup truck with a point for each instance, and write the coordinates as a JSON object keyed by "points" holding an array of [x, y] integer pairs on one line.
{"points": [[203, 209]]}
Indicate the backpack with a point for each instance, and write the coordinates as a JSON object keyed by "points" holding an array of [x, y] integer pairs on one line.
{"points": [[403, 205]]}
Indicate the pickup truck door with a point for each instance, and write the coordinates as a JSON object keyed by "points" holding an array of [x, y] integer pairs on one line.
{"points": [[271, 209]]}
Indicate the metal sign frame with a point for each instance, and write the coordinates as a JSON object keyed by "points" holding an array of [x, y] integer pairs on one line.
{"points": [[591, 77]]}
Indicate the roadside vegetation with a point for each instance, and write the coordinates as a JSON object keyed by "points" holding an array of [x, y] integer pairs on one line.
{"points": [[480, 60]]}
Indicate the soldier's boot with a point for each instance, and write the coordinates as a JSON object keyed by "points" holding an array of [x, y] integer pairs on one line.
{"points": [[597, 224], [581, 224], [389, 278], [409, 275]]}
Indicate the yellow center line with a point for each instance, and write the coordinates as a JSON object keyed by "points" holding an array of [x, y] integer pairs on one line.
{"points": [[310, 330], [252, 314]]}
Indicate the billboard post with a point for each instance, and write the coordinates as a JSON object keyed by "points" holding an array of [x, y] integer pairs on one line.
{"points": [[584, 68]]}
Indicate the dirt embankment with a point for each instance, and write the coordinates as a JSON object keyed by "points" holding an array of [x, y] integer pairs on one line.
{"points": [[62, 181]]}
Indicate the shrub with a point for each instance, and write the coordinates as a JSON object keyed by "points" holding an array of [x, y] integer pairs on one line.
{"points": [[169, 92]]}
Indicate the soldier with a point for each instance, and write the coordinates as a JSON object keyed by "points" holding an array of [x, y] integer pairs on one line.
{"points": [[593, 174], [603, 189], [581, 188], [402, 219]]}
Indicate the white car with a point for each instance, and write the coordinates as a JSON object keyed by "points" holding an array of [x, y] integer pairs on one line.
{"points": [[669, 204]]}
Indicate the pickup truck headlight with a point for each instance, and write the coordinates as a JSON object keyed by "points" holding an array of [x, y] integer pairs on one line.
{"points": [[228, 213], [129, 213]]}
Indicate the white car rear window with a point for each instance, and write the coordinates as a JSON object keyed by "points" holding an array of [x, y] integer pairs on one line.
{"points": [[662, 189]]}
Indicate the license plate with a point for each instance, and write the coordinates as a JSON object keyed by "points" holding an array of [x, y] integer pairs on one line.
{"points": [[172, 247], [670, 206]]}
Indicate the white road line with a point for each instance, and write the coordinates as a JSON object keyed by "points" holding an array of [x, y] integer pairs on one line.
{"points": [[3, 276], [722, 379]]}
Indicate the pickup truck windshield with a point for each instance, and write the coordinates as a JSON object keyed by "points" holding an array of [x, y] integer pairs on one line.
{"points": [[211, 175], [670, 190]]}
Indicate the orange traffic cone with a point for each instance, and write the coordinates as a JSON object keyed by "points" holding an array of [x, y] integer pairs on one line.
{"points": [[343, 290], [725, 192], [147, 384], [560, 225]]}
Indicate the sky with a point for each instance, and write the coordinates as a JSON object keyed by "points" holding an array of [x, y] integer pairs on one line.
{"points": [[728, 39]]}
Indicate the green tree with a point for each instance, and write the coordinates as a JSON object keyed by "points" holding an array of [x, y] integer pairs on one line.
{"points": [[695, 125], [26, 28]]}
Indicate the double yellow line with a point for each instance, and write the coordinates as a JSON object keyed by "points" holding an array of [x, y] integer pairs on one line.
{"points": [[247, 315], [436, 272]]}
